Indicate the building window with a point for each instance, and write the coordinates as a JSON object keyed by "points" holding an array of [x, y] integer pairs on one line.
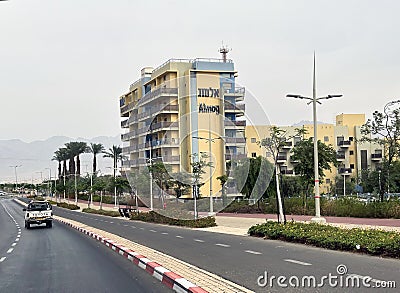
{"points": [[326, 138], [351, 166], [350, 138], [328, 181], [254, 155], [351, 153], [253, 140]]}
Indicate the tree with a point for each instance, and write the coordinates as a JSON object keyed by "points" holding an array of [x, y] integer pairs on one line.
{"points": [[115, 153], [274, 144], [95, 149], [59, 156], [75, 149], [303, 153], [199, 163], [181, 183], [223, 179], [384, 129]]}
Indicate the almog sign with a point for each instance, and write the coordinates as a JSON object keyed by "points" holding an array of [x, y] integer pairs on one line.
{"points": [[208, 93]]}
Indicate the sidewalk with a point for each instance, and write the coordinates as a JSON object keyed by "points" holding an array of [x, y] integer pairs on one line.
{"points": [[239, 224]]}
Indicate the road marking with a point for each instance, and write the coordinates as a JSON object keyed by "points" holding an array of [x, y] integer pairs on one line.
{"points": [[2, 259], [154, 231], [10, 250], [111, 222], [14, 244], [17, 239], [298, 262], [279, 246], [179, 236], [134, 227], [252, 252], [164, 233], [222, 245], [141, 228], [126, 225], [199, 240]]}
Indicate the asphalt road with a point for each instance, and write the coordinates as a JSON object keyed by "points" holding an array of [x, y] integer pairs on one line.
{"points": [[244, 259], [62, 259]]}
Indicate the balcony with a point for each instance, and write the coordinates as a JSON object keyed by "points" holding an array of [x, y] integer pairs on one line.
{"points": [[168, 142], [344, 143], [125, 123], [287, 172], [128, 135], [345, 171], [292, 160], [129, 149], [237, 123], [157, 93], [235, 107], [287, 145], [154, 111], [238, 93], [281, 159], [168, 159], [235, 140], [376, 157], [235, 157], [127, 108], [340, 156]]}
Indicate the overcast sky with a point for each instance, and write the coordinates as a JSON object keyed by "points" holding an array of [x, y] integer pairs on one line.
{"points": [[64, 63]]}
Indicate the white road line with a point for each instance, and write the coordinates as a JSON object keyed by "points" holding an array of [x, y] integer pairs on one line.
{"points": [[297, 262], [252, 252], [10, 250], [179, 236], [134, 227], [154, 231], [17, 239], [199, 240], [126, 225], [111, 222], [141, 228], [164, 233], [222, 245], [14, 244], [2, 259]]}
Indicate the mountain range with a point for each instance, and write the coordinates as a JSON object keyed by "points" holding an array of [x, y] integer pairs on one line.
{"points": [[34, 157]]}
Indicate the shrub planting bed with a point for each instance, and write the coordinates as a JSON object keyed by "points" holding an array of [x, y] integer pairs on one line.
{"points": [[374, 242], [154, 217], [101, 212], [68, 206]]}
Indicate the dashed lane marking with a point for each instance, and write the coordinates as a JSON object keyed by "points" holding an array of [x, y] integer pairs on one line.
{"points": [[154, 231], [199, 240], [222, 245], [178, 236], [2, 259], [253, 252], [10, 250], [298, 262]]}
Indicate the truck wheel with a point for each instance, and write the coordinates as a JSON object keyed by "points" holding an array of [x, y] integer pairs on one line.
{"points": [[49, 224]]}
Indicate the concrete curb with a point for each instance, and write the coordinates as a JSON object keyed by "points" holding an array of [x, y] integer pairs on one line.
{"points": [[165, 276], [168, 278]]}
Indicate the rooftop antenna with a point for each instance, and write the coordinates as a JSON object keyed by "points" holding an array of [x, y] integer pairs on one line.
{"points": [[224, 50]]}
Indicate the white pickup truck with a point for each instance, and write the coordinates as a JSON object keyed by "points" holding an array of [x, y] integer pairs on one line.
{"points": [[38, 212]]}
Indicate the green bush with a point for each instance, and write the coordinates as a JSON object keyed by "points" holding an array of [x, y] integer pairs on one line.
{"points": [[154, 217], [68, 206], [375, 242], [101, 212]]}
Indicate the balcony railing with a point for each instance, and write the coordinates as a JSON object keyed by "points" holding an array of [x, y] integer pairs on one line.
{"points": [[124, 123], [287, 172], [376, 157], [281, 158], [235, 107], [229, 157], [158, 92], [344, 143], [228, 122], [340, 156], [238, 92], [287, 145], [128, 135], [235, 140], [127, 108], [345, 171], [160, 143], [159, 109], [128, 149]]}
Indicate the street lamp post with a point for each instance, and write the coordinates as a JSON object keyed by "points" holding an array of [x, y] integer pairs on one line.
{"points": [[16, 177], [49, 182], [344, 183], [115, 186], [314, 100]]}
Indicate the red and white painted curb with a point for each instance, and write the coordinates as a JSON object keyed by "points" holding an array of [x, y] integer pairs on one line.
{"points": [[168, 278]]}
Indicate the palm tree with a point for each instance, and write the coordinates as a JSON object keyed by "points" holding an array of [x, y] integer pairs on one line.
{"points": [[115, 152], [61, 155], [75, 148], [95, 149]]}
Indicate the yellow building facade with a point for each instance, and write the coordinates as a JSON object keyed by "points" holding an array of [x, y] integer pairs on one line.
{"points": [[181, 109], [352, 156]]}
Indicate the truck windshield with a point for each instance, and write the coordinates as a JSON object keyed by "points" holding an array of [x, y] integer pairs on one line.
{"points": [[38, 206]]}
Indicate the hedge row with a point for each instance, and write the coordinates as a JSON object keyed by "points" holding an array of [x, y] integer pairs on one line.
{"points": [[154, 217], [68, 206], [101, 212], [375, 242]]}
